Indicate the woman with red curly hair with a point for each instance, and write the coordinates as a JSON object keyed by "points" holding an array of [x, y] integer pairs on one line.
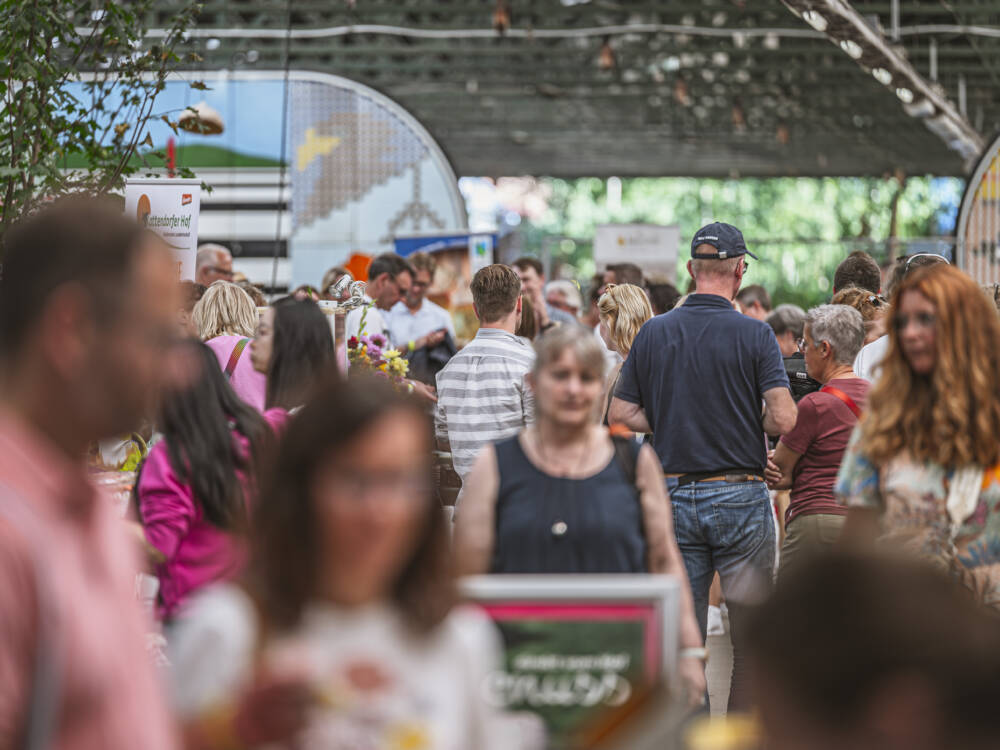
{"points": [[922, 471]]}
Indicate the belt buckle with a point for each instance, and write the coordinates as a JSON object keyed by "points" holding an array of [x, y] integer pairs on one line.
{"points": [[736, 478]]}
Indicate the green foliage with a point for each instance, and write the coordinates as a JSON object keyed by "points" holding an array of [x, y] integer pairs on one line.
{"points": [[46, 45], [800, 227]]}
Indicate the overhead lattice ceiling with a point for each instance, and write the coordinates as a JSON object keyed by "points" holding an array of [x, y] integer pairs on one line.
{"points": [[739, 102]]}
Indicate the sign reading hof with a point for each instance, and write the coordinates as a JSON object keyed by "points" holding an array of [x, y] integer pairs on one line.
{"points": [[170, 208], [575, 649]]}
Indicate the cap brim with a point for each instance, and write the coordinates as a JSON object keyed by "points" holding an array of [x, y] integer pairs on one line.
{"points": [[752, 255]]}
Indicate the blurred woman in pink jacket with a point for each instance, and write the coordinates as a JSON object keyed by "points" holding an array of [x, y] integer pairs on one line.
{"points": [[196, 486]]}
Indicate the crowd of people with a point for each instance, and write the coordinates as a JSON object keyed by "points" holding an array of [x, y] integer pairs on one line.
{"points": [[836, 471]]}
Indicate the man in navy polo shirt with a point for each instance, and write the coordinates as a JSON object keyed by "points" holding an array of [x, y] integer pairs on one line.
{"points": [[697, 378]]}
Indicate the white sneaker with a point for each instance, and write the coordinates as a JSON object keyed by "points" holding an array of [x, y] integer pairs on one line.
{"points": [[715, 626]]}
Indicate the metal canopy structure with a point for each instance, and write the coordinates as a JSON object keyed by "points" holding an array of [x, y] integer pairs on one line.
{"points": [[715, 88]]}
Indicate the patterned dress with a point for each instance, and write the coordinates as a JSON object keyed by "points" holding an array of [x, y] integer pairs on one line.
{"points": [[911, 499]]}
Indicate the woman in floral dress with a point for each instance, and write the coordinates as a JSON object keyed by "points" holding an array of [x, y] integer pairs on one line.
{"points": [[922, 472]]}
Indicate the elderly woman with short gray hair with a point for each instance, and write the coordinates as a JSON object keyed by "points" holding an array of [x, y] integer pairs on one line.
{"points": [[807, 458]]}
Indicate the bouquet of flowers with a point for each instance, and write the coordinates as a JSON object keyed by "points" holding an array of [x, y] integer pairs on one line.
{"points": [[370, 354]]}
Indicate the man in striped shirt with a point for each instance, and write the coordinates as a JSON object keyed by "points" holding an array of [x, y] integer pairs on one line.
{"points": [[482, 396]]}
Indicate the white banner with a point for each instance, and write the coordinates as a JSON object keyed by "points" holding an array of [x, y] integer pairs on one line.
{"points": [[480, 252], [650, 246], [170, 208]]}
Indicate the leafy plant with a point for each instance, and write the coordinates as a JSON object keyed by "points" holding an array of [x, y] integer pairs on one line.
{"points": [[47, 45]]}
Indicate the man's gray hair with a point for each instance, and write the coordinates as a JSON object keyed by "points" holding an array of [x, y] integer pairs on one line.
{"points": [[568, 290], [787, 318], [842, 327], [208, 252]]}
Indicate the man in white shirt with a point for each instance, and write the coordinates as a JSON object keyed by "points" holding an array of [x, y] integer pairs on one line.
{"points": [[415, 322], [389, 278]]}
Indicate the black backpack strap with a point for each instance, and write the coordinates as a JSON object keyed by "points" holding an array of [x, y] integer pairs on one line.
{"points": [[627, 454]]}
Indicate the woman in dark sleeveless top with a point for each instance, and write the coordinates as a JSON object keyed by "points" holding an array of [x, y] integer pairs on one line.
{"points": [[554, 524], [563, 497]]}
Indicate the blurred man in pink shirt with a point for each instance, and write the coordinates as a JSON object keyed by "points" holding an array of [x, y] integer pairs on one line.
{"points": [[88, 306]]}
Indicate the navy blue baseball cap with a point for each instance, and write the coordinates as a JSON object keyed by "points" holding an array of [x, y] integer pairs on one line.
{"points": [[725, 238]]}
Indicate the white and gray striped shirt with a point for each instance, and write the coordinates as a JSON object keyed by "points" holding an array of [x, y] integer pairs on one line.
{"points": [[482, 396]]}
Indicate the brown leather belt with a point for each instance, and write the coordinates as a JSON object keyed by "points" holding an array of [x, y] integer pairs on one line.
{"points": [[683, 479]]}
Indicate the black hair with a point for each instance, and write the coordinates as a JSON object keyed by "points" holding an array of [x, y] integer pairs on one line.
{"points": [[76, 239], [391, 264], [201, 424], [662, 297], [301, 354], [851, 622]]}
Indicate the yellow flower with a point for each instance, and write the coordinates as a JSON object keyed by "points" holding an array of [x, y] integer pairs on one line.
{"points": [[400, 366], [408, 737], [391, 354]]}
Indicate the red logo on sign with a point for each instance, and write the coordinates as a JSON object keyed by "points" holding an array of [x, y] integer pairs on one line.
{"points": [[185, 199]]}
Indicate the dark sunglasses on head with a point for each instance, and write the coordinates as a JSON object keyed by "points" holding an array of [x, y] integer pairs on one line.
{"points": [[876, 300]]}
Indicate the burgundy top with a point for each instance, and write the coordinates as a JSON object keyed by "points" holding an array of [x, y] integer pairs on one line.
{"points": [[821, 434]]}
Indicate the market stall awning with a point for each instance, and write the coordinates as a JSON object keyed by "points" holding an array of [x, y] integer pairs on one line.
{"points": [[643, 87]]}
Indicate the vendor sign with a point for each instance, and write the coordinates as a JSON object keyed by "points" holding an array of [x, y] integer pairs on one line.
{"points": [[170, 208], [650, 246]]}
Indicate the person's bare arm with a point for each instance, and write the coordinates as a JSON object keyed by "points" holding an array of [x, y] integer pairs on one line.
{"points": [[629, 414], [779, 411], [784, 459], [474, 517], [665, 557]]}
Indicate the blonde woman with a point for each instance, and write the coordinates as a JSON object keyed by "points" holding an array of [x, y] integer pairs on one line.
{"points": [[872, 307], [226, 319], [623, 309]]}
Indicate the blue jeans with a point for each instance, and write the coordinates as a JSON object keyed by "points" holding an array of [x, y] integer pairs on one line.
{"points": [[727, 528]]}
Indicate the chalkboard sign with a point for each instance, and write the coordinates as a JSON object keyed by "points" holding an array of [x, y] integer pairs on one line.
{"points": [[578, 646]]}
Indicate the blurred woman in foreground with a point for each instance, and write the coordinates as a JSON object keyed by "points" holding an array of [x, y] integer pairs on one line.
{"points": [[564, 497], [350, 589], [923, 470]]}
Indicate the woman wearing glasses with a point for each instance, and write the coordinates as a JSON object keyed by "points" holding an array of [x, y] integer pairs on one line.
{"points": [[922, 472], [869, 359], [807, 458], [349, 602]]}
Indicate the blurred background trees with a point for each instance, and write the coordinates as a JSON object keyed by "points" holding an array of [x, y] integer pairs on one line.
{"points": [[800, 227]]}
